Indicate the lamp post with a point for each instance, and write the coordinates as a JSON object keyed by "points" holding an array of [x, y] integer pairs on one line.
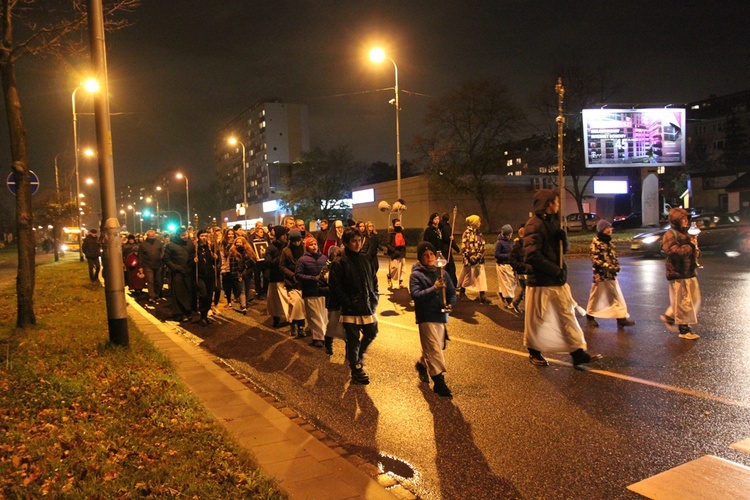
{"points": [[187, 195], [92, 86], [377, 55], [233, 141], [140, 222]]}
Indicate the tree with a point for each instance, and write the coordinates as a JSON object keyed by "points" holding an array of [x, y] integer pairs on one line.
{"points": [[583, 89], [381, 171], [37, 28], [52, 210], [467, 129], [320, 180]]}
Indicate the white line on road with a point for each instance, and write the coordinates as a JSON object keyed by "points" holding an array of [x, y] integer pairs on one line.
{"points": [[606, 373]]}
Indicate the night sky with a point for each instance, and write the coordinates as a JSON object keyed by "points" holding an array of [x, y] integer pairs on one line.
{"points": [[185, 68]]}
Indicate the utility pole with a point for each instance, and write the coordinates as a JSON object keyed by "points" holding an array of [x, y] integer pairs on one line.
{"points": [[114, 281], [560, 157]]}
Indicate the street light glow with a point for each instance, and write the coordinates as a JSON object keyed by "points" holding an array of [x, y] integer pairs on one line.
{"points": [[91, 85], [89, 153], [377, 55], [89, 181], [179, 175], [232, 140]]}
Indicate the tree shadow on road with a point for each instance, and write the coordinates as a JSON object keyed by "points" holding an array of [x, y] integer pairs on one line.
{"points": [[462, 468]]}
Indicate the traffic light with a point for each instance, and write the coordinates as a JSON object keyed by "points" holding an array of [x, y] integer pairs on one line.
{"points": [[146, 213]]}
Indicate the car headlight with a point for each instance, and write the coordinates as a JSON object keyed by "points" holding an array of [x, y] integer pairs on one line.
{"points": [[650, 239]]}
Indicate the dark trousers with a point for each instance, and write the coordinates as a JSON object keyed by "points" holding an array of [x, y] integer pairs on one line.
{"points": [[94, 267], [227, 283], [154, 281], [183, 293], [356, 347], [450, 268], [205, 291], [217, 290], [261, 281]]}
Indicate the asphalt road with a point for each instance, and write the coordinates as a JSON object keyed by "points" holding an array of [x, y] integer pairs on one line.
{"points": [[514, 430]]}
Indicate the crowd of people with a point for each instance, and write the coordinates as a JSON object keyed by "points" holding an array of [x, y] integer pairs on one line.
{"points": [[323, 283]]}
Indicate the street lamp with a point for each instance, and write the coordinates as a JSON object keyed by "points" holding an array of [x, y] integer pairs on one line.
{"points": [[90, 85], [233, 141], [155, 200], [377, 55], [131, 207], [187, 195]]}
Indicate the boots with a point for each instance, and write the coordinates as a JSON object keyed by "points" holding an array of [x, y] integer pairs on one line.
{"points": [[293, 329], [623, 322], [359, 375], [591, 321], [328, 342], [276, 321], [462, 294], [440, 388], [581, 357], [536, 358], [301, 328], [422, 372], [483, 298]]}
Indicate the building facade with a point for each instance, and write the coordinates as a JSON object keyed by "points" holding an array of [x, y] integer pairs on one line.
{"points": [[273, 133]]}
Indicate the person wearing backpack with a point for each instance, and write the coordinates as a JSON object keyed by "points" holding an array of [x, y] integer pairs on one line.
{"points": [[682, 253]]}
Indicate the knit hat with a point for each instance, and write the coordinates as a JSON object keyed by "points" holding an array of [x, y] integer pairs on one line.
{"points": [[432, 217], [309, 241], [602, 225], [279, 231], [423, 247], [473, 220], [295, 235], [506, 229], [202, 231]]}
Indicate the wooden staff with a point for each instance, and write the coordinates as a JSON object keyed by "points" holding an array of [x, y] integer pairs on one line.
{"points": [[560, 90], [453, 230]]}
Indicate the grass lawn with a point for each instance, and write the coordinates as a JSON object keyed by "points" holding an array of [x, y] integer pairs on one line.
{"points": [[81, 418]]}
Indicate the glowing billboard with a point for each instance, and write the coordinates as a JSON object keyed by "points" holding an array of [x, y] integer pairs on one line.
{"points": [[634, 137]]}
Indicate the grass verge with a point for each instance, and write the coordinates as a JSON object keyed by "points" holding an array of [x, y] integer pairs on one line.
{"points": [[82, 418]]}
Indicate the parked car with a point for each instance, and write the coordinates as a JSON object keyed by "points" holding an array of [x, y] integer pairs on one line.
{"points": [[720, 232], [629, 222], [574, 221]]}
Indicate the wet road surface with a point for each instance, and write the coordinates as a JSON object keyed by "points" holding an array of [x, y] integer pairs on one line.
{"points": [[514, 430]]}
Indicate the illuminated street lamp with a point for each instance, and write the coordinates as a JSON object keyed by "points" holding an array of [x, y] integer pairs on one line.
{"points": [[377, 55], [92, 86], [187, 195], [233, 141]]}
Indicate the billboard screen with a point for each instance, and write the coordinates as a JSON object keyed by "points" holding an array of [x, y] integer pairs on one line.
{"points": [[634, 137]]}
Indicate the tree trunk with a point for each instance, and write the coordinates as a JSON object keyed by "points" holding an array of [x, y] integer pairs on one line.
{"points": [[24, 220]]}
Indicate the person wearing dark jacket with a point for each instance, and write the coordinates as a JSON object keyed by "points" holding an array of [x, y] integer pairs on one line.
{"points": [[550, 323], [506, 280], [334, 329], [277, 298], [434, 235], [396, 247], [179, 258], [205, 261], [288, 265], [322, 234], [92, 249], [682, 253], [150, 258], [309, 274], [371, 243], [449, 243], [426, 285], [241, 266], [355, 287], [521, 269]]}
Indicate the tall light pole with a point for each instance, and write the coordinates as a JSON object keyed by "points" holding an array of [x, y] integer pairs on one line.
{"points": [[187, 195], [377, 55], [92, 86], [233, 141]]}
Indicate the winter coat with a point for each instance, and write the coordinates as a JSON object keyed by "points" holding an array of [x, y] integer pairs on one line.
{"points": [[240, 264], [541, 244], [472, 247], [206, 262], [179, 255], [446, 232], [354, 284], [127, 249], [435, 236], [516, 258], [395, 251], [272, 259], [308, 271], [91, 248], [150, 253], [603, 258], [288, 265], [428, 299], [682, 255], [503, 248]]}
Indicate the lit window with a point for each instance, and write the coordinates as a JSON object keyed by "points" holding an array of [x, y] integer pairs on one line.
{"points": [[509, 163]]}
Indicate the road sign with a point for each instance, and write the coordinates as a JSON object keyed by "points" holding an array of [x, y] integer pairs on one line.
{"points": [[33, 180]]}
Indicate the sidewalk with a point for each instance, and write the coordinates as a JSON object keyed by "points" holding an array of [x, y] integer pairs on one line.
{"points": [[306, 463]]}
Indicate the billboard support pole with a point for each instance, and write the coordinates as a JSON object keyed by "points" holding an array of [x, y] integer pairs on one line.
{"points": [[560, 90]]}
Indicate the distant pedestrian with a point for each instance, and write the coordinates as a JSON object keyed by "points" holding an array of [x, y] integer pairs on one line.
{"points": [[300, 225], [310, 275], [521, 269], [682, 253], [334, 329], [205, 261], [550, 324], [396, 253], [179, 258], [92, 249], [370, 243], [334, 236], [288, 265], [277, 299], [506, 279], [605, 299], [355, 287], [472, 249], [426, 284], [322, 234]]}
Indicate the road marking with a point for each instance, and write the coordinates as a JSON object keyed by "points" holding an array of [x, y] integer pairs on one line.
{"points": [[605, 373]]}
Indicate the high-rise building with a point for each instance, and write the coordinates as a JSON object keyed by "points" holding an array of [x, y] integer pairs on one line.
{"points": [[274, 133]]}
